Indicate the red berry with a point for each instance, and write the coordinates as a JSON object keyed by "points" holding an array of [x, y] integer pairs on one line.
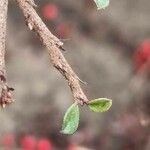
{"points": [[64, 30], [44, 144], [28, 143], [50, 11], [142, 55], [8, 140]]}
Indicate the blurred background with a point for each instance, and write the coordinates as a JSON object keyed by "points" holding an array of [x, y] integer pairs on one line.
{"points": [[109, 49]]}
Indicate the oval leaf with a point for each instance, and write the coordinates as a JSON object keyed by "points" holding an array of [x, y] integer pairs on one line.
{"points": [[71, 120], [101, 4], [100, 104]]}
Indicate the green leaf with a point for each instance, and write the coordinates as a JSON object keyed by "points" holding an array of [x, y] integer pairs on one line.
{"points": [[100, 104], [101, 4], [71, 120]]}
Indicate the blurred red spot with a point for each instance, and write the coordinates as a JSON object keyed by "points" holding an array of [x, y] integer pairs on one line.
{"points": [[28, 143], [44, 144], [8, 140], [72, 147], [50, 11], [64, 30], [142, 55]]}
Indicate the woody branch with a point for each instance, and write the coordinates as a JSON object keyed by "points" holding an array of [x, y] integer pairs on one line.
{"points": [[53, 45], [5, 91]]}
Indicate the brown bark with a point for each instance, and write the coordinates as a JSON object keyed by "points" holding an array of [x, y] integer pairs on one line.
{"points": [[53, 45], [3, 16], [5, 91]]}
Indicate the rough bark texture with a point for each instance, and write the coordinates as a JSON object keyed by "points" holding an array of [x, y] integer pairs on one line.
{"points": [[5, 96], [53, 45], [3, 16]]}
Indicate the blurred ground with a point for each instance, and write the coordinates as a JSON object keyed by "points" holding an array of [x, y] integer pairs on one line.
{"points": [[100, 46]]}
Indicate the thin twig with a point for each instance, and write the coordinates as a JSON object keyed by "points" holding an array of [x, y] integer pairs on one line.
{"points": [[53, 45], [5, 91]]}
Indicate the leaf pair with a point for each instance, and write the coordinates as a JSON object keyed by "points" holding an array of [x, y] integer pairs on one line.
{"points": [[72, 115], [101, 4]]}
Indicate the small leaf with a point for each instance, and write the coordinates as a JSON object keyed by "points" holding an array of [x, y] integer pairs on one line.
{"points": [[71, 120], [101, 4], [100, 104]]}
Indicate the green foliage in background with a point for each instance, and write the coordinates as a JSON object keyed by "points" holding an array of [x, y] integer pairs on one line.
{"points": [[101, 4]]}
